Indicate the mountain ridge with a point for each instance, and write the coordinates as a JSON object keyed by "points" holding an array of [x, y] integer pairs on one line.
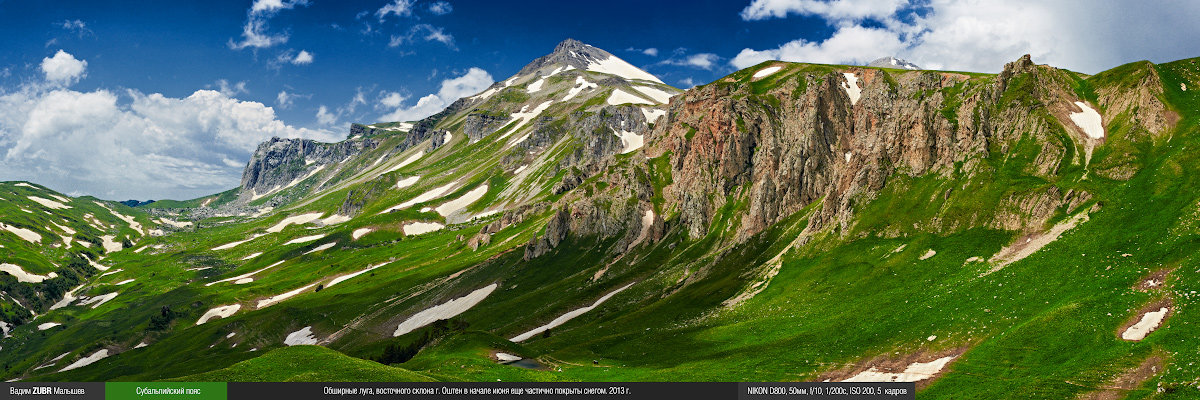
{"points": [[970, 217]]}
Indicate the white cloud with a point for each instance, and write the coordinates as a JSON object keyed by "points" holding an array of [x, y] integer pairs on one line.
{"points": [[324, 117], [687, 83], [982, 35], [470, 83], [427, 32], [231, 90], [829, 9], [122, 145], [399, 8], [254, 32], [284, 100], [699, 60], [303, 58], [440, 8], [63, 68], [392, 99], [652, 52], [851, 44], [79, 27]]}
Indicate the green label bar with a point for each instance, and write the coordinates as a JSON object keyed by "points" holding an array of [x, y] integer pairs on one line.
{"points": [[166, 391]]}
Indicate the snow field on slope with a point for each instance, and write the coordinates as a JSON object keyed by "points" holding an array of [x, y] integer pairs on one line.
{"points": [[562, 319], [580, 85], [447, 310], [619, 96], [766, 71], [616, 66], [1088, 120], [417, 228], [28, 235], [655, 93], [453, 206], [851, 87]]}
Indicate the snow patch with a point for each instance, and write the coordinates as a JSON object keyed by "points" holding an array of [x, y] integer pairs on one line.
{"points": [[655, 93], [346, 277], [1149, 322], [83, 362], [323, 247], [124, 282], [47, 325], [295, 219], [417, 228], [109, 244], [305, 239], [525, 117], [766, 71], [411, 159], [629, 140], [652, 115], [240, 279], [581, 85], [562, 319], [446, 310], [251, 256], [231, 245], [28, 235], [536, 86], [520, 169], [270, 301], [99, 300], [334, 219], [851, 87], [303, 336], [176, 224], [929, 254], [360, 232], [140, 345], [616, 66], [406, 182], [1088, 120], [51, 204], [619, 96], [507, 358], [915, 372], [457, 204], [23, 276], [219, 312], [424, 197]]}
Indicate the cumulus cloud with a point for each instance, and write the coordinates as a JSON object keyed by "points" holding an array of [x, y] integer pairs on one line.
{"points": [[425, 32], [63, 68], [470, 83], [399, 8], [302, 58], [982, 35], [852, 44], [122, 145], [254, 32], [652, 52], [440, 8], [391, 100], [835, 9]]}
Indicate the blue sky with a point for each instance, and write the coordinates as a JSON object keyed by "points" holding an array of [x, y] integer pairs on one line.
{"points": [[168, 99]]}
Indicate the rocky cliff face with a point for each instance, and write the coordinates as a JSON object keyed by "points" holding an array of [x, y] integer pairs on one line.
{"points": [[806, 139], [278, 162]]}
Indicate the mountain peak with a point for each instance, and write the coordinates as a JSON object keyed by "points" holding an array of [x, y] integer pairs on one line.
{"points": [[893, 62], [571, 52]]}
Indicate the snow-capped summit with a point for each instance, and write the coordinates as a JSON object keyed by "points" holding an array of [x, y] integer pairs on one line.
{"points": [[583, 56], [893, 62]]}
